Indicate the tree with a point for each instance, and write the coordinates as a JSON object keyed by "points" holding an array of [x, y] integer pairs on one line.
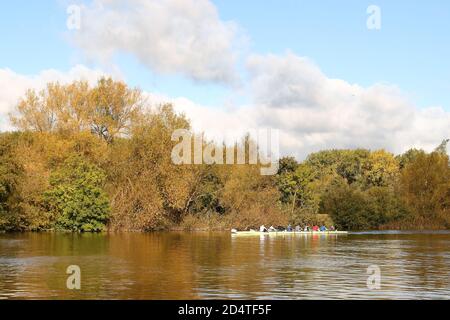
{"points": [[347, 163], [150, 190], [76, 197], [122, 152], [380, 169], [10, 172], [38, 111], [113, 107], [351, 163], [384, 206], [108, 109], [249, 198], [408, 157], [355, 209], [442, 148], [324, 162], [296, 188], [207, 199], [346, 205], [425, 185], [287, 164]]}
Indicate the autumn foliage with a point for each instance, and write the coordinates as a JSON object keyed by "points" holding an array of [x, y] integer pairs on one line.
{"points": [[96, 158]]}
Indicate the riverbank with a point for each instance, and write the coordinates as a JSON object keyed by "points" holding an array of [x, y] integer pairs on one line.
{"points": [[224, 229]]}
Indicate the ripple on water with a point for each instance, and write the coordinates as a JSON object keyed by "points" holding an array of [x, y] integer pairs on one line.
{"points": [[217, 266]]}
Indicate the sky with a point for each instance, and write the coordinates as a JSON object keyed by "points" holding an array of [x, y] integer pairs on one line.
{"points": [[315, 70]]}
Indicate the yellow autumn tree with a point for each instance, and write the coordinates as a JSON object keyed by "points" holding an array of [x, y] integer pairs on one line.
{"points": [[381, 168], [107, 109]]}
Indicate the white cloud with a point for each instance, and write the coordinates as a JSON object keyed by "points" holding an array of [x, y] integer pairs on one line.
{"points": [[168, 36], [15, 85], [214, 122], [290, 93], [315, 112]]}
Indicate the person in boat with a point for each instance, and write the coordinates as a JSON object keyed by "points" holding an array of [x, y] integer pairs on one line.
{"points": [[323, 228], [315, 228], [272, 229], [332, 228], [263, 228], [298, 228], [307, 228], [289, 228]]}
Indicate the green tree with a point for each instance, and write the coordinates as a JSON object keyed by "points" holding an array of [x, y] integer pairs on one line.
{"points": [[10, 172], [384, 206], [207, 199], [354, 209], [350, 165], [381, 169], [287, 164], [408, 157], [346, 205], [76, 197], [346, 163], [296, 188]]}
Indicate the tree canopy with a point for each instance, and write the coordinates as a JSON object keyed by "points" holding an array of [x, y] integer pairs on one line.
{"points": [[90, 158]]}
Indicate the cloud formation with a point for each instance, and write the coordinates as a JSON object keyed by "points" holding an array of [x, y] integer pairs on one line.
{"points": [[169, 36], [314, 112], [289, 93]]}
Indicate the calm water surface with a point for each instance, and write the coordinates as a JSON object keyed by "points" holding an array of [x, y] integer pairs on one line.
{"points": [[219, 266]]}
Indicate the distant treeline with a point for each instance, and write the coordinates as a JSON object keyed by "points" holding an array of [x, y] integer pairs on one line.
{"points": [[97, 158]]}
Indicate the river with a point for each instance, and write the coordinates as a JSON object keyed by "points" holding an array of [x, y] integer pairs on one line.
{"points": [[221, 266]]}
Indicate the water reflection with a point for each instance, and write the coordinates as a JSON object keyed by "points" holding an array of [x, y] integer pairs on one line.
{"points": [[216, 265]]}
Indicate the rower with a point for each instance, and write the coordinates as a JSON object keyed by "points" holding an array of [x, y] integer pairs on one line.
{"points": [[262, 229]]}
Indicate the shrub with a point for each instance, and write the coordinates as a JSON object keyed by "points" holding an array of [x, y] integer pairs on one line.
{"points": [[303, 217], [10, 171], [76, 198], [354, 209]]}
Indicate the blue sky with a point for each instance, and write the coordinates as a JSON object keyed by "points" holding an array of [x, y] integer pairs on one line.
{"points": [[411, 50], [311, 69]]}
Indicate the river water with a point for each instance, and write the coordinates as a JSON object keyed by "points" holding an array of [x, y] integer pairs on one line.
{"points": [[221, 266]]}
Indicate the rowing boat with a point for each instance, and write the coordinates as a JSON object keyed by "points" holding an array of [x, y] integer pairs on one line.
{"points": [[282, 233]]}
